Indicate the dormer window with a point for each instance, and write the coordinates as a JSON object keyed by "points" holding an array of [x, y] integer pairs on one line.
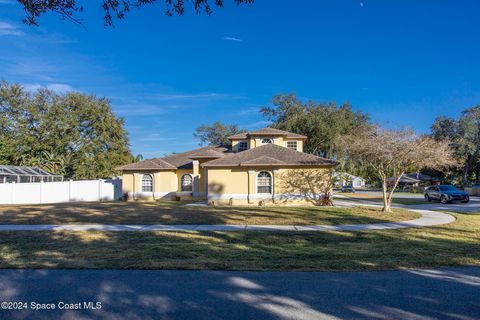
{"points": [[267, 140], [292, 145], [242, 146]]}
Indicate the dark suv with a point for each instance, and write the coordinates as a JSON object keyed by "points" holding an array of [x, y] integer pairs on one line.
{"points": [[446, 193]]}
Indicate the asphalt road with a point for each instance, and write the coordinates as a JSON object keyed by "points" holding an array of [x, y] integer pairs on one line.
{"points": [[472, 207], [136, 294]]}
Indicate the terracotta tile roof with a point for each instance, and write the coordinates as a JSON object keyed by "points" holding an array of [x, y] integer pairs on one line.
{"points": [[267, 131], [263, 160], [206, 154], [269, 154], [182, 160], [175, 161], [149, 164]]}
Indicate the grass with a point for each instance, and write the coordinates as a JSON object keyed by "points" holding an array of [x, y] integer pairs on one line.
{"points": [[454, 244], [174, 212], [375, 198]]}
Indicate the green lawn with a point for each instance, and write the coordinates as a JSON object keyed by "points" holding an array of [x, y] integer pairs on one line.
{"points": [[174, 212], [454, 244]]}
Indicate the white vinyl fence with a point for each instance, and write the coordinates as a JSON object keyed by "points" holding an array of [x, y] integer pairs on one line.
{"points": [[66, 191]]}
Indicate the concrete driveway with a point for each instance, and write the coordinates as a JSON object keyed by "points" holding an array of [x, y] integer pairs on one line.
{"points": [[133, 294]]}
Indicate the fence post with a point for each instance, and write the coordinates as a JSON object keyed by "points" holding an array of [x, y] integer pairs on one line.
{"points": [[41, 191], [100, 184], [13, 192], [70, 186]]}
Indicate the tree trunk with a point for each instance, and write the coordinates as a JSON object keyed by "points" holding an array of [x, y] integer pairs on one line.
{"points": [[386, 203], [388, 196], [466, 171]]}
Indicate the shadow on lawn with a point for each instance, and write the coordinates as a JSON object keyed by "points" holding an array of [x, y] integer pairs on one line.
{"points": [[143, 294], [173, 212], [449, 245]]}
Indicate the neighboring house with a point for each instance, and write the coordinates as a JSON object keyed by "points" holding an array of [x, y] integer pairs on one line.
{"points": [[414, 180], [253, 169], [346, 179]]}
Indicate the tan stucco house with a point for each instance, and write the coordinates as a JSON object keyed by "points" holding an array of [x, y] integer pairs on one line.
{"points": [[259, 167]]}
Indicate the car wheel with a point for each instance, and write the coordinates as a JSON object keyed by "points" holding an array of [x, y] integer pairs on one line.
{"points": [[466, 201], [427, 197], [443, 199]]}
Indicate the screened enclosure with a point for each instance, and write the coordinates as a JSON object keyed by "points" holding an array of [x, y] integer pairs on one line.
{"points": [[22, 174]]}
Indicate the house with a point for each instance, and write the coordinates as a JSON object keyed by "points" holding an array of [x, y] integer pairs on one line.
{"points": [[255, 169], [414, 179], [346, 179]]}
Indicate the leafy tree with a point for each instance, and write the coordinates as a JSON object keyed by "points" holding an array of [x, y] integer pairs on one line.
{"points": [[216, 134], [74, 134], [464, 135], [113, 8], [137, 158], [321, 123], [391, 153]]}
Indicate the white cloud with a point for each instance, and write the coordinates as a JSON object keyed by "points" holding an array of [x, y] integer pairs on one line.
{"points": [[258, 124], [8, 29], [232, 39], [60, 87], [195, 96], [33, 69], [249, 110], [57, 87]]}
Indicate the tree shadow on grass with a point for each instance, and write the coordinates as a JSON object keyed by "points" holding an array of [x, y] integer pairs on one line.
{"points": [[251, 295], [173, 212]]}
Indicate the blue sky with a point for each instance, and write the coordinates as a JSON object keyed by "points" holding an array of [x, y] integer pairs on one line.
{"points": [[402, 62]]}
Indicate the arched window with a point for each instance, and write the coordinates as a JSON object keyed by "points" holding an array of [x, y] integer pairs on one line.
{"points": [[147, 183], [264, 182], [267, 140], [186, 183]]}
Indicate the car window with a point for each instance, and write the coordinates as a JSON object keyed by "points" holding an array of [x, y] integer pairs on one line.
{"points": [[448, 188]]}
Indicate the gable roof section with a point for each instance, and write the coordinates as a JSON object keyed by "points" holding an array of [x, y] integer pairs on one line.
{"points": [[263, 160], [175, 161], [149, 164], [269, 155], [206, 154], [266, 132]]}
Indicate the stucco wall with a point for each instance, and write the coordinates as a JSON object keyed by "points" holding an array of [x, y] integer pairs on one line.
{"points": [[164, 181], [239, 185], [227, 181]]}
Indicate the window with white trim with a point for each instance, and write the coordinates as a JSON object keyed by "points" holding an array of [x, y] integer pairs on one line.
{"points": [[242, 146], [264, 182], [186, 182], [292, 145], [267, 140], [147, 183]]}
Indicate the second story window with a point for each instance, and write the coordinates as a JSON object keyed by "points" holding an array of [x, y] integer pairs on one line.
{"points": [[242, 146], [292, 145], [267, 140]]}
